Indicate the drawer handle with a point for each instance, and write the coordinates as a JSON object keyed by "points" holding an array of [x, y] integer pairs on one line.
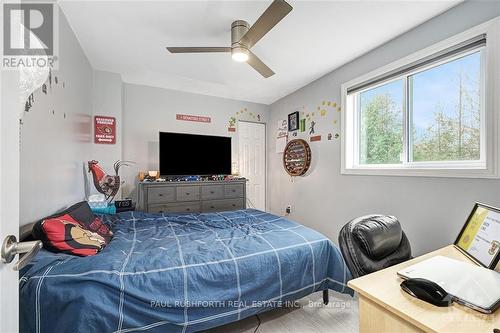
{"points": [[160, 195], [211, 192], [160, 211], [212, 207], [188, 209], [234, 205], [187, 193], [234, 190]]}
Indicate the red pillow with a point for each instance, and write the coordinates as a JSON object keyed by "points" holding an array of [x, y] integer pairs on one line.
{"points": [[76, 230], [65, 234], [82, 213], [98, 227]]}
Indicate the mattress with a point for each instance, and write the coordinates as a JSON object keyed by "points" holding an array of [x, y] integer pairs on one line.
{"points": [[179, 273]]}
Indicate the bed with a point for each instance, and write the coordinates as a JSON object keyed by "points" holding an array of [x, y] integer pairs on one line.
{"points": [[179, 273]]}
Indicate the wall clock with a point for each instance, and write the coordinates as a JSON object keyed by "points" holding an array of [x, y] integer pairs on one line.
{"points": [[297, 157]]}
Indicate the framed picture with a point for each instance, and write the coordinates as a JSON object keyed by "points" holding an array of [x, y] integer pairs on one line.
{"points": [[293, 121]]}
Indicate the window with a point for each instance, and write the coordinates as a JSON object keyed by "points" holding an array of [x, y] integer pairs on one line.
{"points": [[381, 124], [423, 115], [445, 111]]}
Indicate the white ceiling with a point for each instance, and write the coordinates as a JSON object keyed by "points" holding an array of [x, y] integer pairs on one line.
{"points": [[129, 37]]}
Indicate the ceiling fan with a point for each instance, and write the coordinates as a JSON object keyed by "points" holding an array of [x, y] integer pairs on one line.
{"points": [[244, 37]]}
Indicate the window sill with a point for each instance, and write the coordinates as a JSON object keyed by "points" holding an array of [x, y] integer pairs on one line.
{"points": [[421, 172]]}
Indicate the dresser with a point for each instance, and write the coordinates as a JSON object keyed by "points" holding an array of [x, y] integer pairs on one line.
{"points": [[192, 196]]}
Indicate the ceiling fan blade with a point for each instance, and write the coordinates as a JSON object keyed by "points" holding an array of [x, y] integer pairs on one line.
{"points": [[198, 49], [259, 66], [271, 16]]}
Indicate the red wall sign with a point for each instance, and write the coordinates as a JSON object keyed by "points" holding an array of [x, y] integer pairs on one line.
{"points": [[316, 138], [104, 130], [199, 119]]}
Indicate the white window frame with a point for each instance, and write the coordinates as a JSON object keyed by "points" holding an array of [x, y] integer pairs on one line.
{"points": [[487, 167]]}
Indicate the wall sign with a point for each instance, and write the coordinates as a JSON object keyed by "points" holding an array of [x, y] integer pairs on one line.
{"points": [[187, 117], [104, 130], [316, 138]]}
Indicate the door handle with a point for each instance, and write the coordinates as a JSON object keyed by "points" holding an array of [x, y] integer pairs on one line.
{"points": [[10, 248]]}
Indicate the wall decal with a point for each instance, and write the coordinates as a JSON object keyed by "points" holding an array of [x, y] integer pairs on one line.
{"points": [[242, 114], [104, 130], [199, 119], [316, 138], [321, 121], [302, 125], [311, 127], [232, 125], [281, 135], [29, 103]]}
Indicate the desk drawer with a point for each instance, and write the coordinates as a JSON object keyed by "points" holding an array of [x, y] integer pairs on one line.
{"points": [[188, 193], [233, 191], [161, 194], [183, 207], [212, 192], [221, 205]]}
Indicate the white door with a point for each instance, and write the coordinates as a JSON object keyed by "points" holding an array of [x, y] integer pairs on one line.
{"points": [[252, 162], [9, 195]]}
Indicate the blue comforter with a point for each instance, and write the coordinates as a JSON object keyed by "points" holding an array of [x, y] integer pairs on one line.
{"points": [[179, 273]]}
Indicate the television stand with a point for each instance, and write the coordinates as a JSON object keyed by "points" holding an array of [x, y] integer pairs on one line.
{"points": [[192, 196]]}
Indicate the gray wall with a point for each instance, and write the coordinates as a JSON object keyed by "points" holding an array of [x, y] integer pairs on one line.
{"points": [[107, 100], [56, 135], [431, 210], [149, 110]]}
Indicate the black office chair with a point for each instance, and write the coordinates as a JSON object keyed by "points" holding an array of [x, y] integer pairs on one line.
{"points": [[373, 242]]}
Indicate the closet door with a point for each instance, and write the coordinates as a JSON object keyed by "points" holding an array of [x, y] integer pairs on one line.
{"points": [[252, 162]]}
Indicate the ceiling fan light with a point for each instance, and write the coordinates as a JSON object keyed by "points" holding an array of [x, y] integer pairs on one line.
{"points": [[239, 54]]}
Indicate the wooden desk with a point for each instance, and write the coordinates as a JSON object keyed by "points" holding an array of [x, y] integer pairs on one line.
{"points": [[385, 307]]}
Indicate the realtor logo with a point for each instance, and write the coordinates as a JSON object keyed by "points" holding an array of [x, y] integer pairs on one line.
{"points": [[29, 34]]}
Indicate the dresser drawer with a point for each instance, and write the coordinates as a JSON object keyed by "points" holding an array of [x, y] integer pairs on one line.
{"points": [[212, 192], [161, 194], [188, 193], [233, 191], [221, 205], [182, 207]]}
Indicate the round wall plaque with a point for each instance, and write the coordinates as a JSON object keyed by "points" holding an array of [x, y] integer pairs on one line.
{"points": [[297, 157]]}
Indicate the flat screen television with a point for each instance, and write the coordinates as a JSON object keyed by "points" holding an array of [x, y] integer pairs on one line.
{"points": [[194, 155]]}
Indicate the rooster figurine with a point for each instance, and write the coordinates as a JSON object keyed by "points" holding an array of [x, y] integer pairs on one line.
{"points": [[104, 183]]}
